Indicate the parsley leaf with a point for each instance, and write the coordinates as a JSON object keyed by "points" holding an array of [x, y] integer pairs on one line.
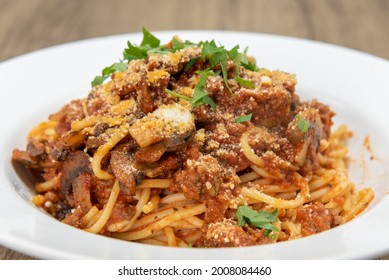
{"points": [[245, 118], [176, 45], [200, 96], [98, 80], [302, 124], [261, 219], [190, 63], [176, 94], [219, 55], [134, 52], [209, 48], [210, 52], [149, 44], [216, 55], [245, 62], [244, 83], [233, 53], [208, 100], [119, 66], [149, 39]]}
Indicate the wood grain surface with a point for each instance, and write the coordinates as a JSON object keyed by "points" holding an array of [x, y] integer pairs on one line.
{"points": [[28, 25]]}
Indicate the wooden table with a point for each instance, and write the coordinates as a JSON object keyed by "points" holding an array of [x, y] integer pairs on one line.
{"points": [[27, 25]]}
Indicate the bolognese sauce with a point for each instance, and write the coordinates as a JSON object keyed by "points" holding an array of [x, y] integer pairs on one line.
{"points": [[193, 145]]}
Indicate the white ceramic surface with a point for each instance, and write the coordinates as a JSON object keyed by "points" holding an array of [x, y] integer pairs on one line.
{"points": [[354, 84]]}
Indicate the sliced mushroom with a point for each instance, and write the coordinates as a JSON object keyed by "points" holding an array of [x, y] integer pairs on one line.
{"points": [[151, 153], [81, 190], [76, 164], [171, 124], [25, 159], [123, 167], [35, 148], [68, 142], [163, 167]]}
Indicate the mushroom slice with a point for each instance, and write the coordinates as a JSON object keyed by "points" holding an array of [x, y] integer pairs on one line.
{"points": [[77, 163], [171, 123], [151, 153], [123, 168]]}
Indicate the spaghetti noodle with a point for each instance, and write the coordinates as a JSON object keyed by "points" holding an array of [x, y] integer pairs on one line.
{"points": [[170, 148]]}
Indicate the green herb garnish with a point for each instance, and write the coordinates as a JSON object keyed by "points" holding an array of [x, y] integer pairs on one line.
{"points": [[261, 219], [177, 45], [149, 39], [245, 62], [176, 94], [245, 118], [190, 63], [302, 124], [149, 44], [119, 66], [244, 83], [216, 55], [200, 96]]}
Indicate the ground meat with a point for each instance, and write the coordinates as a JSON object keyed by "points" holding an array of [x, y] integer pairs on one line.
{"points": [[316, 218], [35, 148], [172, 62], [128, 84], [225, 233], [74, 219], [199, 178], [326, 115], [121, 211], [69, 113], [215, 209], [165, 167], [223, 142], [25, 159]]}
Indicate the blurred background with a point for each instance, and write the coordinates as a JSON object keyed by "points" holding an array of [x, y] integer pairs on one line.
{"points": [[28, 25]]}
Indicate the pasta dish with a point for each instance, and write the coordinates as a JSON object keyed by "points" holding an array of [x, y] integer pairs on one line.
{"points": [[192, 145]]}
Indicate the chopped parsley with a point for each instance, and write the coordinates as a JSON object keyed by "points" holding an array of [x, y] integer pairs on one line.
{"points": [[215, 55], [176, 94], [178, 45], [245, 118], [220, 55], [149, 44], [191, 62], [261, 219], [245, 62], [200, 95], [244, 83], [119, 66], [302, 124], [149, 39]]}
